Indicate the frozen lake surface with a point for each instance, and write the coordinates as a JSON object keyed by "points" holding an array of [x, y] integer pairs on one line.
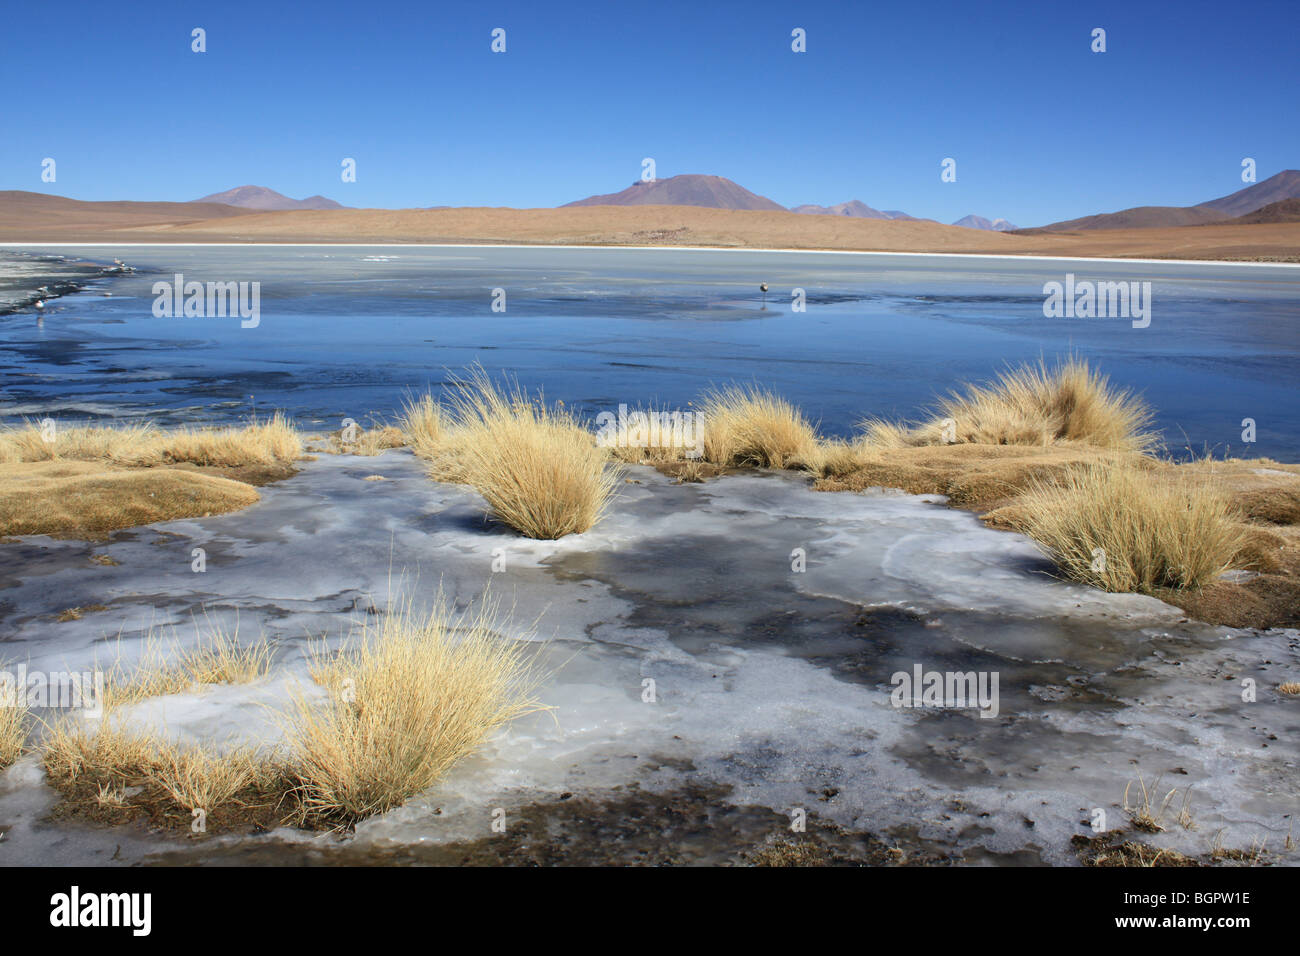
{"points": [[348, 331], [772, 687]]}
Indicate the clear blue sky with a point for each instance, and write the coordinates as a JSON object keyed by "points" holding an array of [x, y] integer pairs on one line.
{"points": [[1041, 128]]}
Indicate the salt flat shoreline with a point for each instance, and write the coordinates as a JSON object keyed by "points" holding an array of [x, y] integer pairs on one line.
{"points": [[1000, 257]]}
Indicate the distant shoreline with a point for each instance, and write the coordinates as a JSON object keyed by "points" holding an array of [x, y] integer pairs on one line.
{"points": [[1292, 262]]}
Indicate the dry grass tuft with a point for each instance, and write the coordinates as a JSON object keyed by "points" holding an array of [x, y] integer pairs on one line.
{"points": [[13, 730], [1291, 687], [744, 425], [1111, 849], [218, 658], [884, 435], [423, 423], [370, 442], [1031, 405], [538, 468], [105, 443], [407, 699], [1121, 528], [100, 760], [272, 442], [833, 458], [110, 795], [690, 472], [104, 751], [196, 778], [1148, 815], [1035, 405]]}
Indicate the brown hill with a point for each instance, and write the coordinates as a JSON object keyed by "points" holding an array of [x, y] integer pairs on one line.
{"points": [[1283, 185], [1139, 217], [42, 216], [1284, 210], [714, 192]]}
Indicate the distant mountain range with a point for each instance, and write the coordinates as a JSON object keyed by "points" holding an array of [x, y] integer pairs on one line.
{"points": [[717, 192], [268, 200], [1275, 190], [1274, 201]]}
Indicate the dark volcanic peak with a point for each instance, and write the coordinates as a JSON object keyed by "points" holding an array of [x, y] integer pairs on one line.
{"points": [[259, 197], [685, 190]]}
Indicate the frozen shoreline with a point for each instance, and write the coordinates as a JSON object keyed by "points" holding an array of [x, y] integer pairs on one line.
{"points": [[772, 687], [26, 278]]}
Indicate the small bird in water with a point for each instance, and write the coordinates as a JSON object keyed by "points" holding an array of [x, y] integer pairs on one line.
{"points": [[762, 287], [40, 305]]}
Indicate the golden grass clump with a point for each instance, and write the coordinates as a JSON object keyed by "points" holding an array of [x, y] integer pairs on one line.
{"points": [[879, 434], [423, 423], [540, 471], [1035, 405], [368, 441], [30, 442], [745, 425], [834, 457], [104, 757], [13, 729], [196, 778], [1030, 405], [409, 697], [271, 442], [1122, 528], [219, 658], [100, 750]]}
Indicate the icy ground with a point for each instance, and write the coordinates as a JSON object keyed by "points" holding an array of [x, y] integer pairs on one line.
{"points": [[771, 687]]}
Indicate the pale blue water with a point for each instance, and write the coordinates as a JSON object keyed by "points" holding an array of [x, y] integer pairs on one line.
{"points": [[348, 331]]}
